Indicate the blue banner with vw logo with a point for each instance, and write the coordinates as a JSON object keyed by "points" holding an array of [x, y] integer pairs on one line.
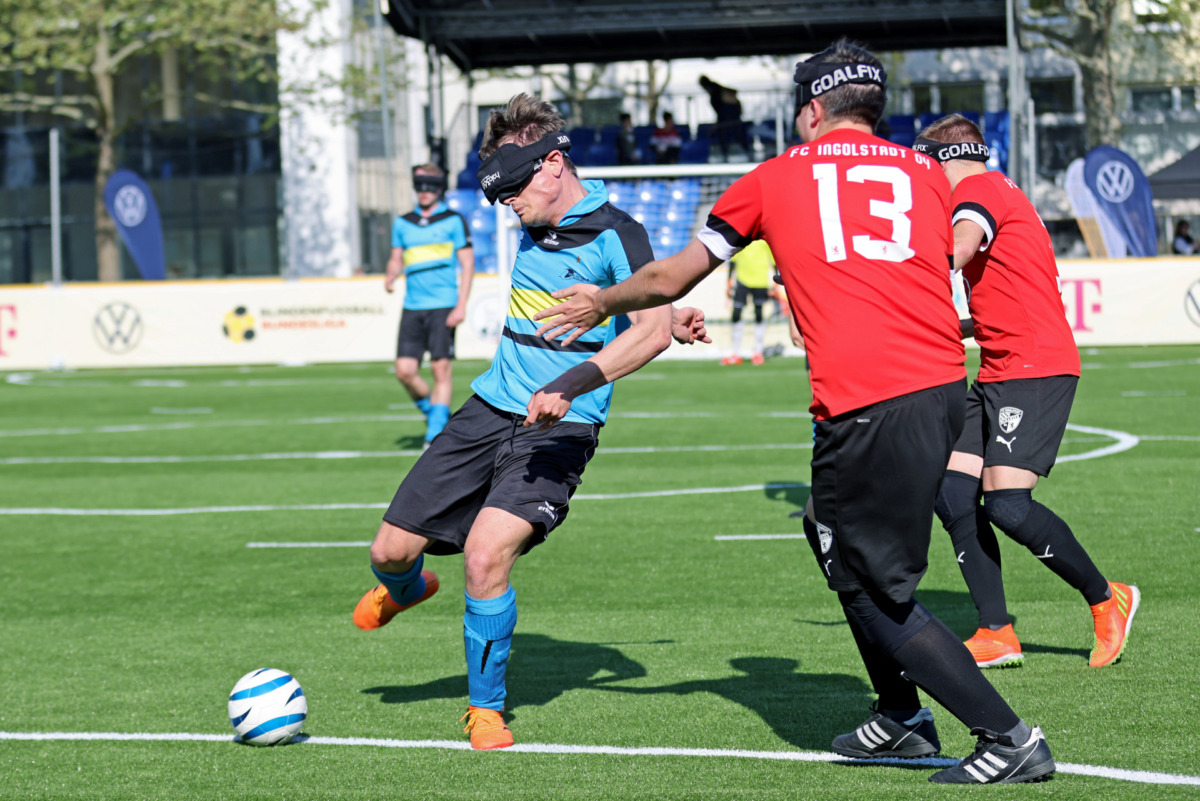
{"points": [[132, 208], [1123, 194]]}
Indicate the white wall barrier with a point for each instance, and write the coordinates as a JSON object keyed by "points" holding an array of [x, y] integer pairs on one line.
{"points": [[276, 321]]}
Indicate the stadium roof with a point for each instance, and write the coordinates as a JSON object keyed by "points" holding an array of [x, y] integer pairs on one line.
{"points": [[480, 34]]}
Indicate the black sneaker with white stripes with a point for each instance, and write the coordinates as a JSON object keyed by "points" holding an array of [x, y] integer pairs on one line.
{"points": [[881, 736], [998, 760]]}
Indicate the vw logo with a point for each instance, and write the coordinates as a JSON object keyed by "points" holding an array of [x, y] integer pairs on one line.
{"points": [[1191, 303], [129, 206], [118, 327], [1114, 181]]}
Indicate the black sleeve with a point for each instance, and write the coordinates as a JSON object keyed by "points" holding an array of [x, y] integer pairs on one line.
{"points": [[636, 243]]}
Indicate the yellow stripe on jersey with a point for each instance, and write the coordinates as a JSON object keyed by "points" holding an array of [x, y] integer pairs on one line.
{"points": [[525, 303], [425, 253]]}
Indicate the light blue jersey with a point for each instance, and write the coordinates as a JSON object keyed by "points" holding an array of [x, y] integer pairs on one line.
{"points": [[596, 243], [430, 265]]}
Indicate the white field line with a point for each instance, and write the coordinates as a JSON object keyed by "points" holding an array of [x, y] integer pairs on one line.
{"points": [[760, 537], [141, 427], [318, 455], [1121, 774], [1172, 393], [1123, 442], [362, 544], [328, 507]]}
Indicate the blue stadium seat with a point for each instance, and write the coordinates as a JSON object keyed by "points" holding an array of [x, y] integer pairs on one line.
{"points": [[694, 152], [582, 138], [927, 119], [468, 179], [600, 155], [973, 116]]}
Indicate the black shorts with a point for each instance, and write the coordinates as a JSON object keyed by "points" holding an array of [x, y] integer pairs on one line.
{"points": [[485, 457], [741, 292], [875, 476], [1018, 423], [425, 330]]}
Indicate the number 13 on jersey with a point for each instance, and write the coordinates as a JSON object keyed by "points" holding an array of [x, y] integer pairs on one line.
{"points": [[895, 211]]}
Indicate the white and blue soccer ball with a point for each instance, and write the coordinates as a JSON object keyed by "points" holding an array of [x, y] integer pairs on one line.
{"points": [[267, 707]]}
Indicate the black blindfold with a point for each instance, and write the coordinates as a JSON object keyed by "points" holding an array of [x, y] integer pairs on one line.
{"points": [[429, 183], [944, 151], [506, 172], [814, 80]]}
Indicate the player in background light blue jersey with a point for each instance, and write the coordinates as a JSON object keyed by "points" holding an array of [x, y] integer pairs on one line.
{"points": [[431, 248]]}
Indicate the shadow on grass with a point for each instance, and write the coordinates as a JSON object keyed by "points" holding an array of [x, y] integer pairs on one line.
{"points": [[793, 496], [805, 709], [413, 442], [540, 669]]}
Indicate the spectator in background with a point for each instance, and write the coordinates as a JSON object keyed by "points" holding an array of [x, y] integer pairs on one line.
{"points": [[729, 129], [627, 149], [1183, 244], [666, 141]]}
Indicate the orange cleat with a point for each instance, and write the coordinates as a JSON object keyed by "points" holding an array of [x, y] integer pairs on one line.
{"points": [[377, 608], [757, 359], [487, 729], [999, 648], [732, 358], [1113, 619]]}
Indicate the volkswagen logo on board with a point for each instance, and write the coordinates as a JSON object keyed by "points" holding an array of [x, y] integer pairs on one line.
{"points": [[118, 327]]}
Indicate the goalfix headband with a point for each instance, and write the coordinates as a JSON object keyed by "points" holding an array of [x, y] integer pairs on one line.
{"points": [[505, 173], [814, 80], [944, 151]]}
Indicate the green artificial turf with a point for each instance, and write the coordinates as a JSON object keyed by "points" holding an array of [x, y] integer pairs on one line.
{"points": [[637, 628]]}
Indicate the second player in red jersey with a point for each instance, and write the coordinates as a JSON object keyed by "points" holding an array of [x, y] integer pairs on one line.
{"points": [[1015, 300]]}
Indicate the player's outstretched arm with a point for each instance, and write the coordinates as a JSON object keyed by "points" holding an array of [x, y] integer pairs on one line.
{"points": [[659, 282], [649, 336]]}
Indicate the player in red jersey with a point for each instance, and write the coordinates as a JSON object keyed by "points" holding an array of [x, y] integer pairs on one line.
{"points": [[1017, 408], [861, 232]]}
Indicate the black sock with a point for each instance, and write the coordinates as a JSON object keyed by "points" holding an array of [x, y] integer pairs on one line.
{"points": [[978, 555], [895, 692], [975, 546], [1050, 539], [941, 665]]}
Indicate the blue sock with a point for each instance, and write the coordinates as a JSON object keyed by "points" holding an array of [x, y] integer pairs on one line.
{"points": [[424, 405], [487, 633], [439, 413], [406, 587]]}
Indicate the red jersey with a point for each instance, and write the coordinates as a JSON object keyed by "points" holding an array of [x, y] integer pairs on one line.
{"points": [[860, 230], [1013, 291]]}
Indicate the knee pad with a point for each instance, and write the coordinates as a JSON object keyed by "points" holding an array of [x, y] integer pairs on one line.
{"points": [[736, 316], [957, 497], [887, 625], [758, 313], [1008, 508]]}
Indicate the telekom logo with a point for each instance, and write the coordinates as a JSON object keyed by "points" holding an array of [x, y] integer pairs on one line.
{"points": [[8, 326], [1081, 300]]}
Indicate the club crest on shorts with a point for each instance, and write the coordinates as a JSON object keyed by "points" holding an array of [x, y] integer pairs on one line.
{"points": [[825, 535], [1010, 418]]}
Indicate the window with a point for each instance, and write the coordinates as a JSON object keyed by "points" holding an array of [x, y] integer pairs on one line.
{"points": [[1047, 8], [961, 97], [1052, 95], [1150, 99], [922, 100]]}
